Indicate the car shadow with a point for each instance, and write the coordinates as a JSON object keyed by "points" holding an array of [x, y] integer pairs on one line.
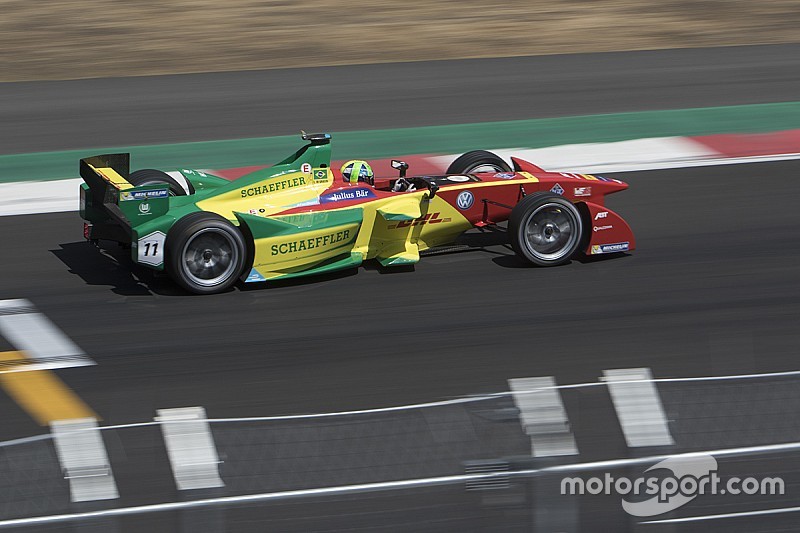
{"points": [[110, 265]]}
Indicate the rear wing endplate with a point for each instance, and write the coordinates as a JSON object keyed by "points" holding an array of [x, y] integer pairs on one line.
{"points": [[107, 175]]}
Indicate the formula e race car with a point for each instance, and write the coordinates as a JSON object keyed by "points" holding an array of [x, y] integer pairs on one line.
{"points": [[299, 217]]}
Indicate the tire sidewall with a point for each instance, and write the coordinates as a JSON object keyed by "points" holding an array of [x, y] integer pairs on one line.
{"points": [[151, 176], [468, 162], [186, 229]]}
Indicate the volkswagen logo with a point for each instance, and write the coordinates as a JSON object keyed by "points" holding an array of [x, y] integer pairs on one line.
{"points": [[144, 208], [465, 200]]}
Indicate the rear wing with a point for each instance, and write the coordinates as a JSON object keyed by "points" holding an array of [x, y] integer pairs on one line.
{"points": [[109, 193]]}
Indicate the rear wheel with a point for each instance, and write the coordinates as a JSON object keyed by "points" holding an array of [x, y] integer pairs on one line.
{"points": [[478, 161], [205, 253], [151, 176], [545, 229]]}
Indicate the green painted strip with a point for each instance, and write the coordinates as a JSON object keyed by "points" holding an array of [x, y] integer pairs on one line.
{"points": [[450, 139]]}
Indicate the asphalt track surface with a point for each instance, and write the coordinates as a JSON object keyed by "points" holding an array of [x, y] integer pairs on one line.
{"points": [[717, 262], [61, 115]]}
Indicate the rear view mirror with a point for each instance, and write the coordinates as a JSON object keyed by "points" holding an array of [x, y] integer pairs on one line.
{"points": [[402, 166]]}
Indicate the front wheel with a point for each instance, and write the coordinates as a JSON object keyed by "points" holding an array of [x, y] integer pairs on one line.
{"points": [[545, 229], [205, 253]]}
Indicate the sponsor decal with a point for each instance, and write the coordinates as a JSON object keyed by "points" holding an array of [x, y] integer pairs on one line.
{"points": [[458, 179], [421, 221], [505, 175], [254, 276], [313, 201], [558, 189], [150, 248], [144, 208], [582, 191], [320, 174], [602, 228], [359, 193], [253, 211], [610, 248], [313, 243], [305, 168], [273, 186], [464, 200], [125, 196], [601, 214]]}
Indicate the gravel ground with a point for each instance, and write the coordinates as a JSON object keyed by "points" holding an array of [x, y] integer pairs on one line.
{"points": [[54, 39]]}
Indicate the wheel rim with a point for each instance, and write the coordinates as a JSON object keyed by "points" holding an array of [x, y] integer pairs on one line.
{"points": [[485, 167], [210, 257], [551, 232]]}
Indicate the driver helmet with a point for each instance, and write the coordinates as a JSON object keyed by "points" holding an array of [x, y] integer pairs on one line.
{"points": [[357, 170]]}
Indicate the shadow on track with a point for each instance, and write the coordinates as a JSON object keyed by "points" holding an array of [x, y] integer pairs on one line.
{"points": [[113, 267]]}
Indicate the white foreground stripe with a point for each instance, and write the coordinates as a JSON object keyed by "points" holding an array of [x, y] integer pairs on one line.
{"points": [[190, 446], [743, 514], [638, 407], [84, 460], [45, 346], [543, 416], [386, 485]]}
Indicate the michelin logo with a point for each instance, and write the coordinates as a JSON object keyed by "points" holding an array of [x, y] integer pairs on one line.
{"points": [[610, 248], [125, 196]]}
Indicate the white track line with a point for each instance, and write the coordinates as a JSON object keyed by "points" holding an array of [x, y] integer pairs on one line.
{"points": [[190, 448], [84, 460], [543, 416], [44, 344], [34, 197], [382, 486], [722, 516], [471, 399], [638, 406]]}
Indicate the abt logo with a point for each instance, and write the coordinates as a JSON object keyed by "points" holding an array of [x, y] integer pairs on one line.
{"points": [[421, 221], [601, 214]]}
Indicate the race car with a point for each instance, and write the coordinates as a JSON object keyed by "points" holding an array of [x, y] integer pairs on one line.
{"points": [[299, 217]]}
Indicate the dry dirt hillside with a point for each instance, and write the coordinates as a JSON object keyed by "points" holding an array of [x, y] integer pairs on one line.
{"points": [[52, 39]]}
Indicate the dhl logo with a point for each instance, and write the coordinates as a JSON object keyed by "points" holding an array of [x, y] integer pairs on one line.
{"points": [[430, 218]]}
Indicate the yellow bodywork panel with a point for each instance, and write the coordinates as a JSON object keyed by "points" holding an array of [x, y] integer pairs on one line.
{"points": [[271, 195], [111, 176], [427, 223], [283, 254]]}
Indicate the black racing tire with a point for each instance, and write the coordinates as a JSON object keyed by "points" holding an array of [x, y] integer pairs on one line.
{"points": [[474, 161], [545, 229], [151, 176], [205, 253]]}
